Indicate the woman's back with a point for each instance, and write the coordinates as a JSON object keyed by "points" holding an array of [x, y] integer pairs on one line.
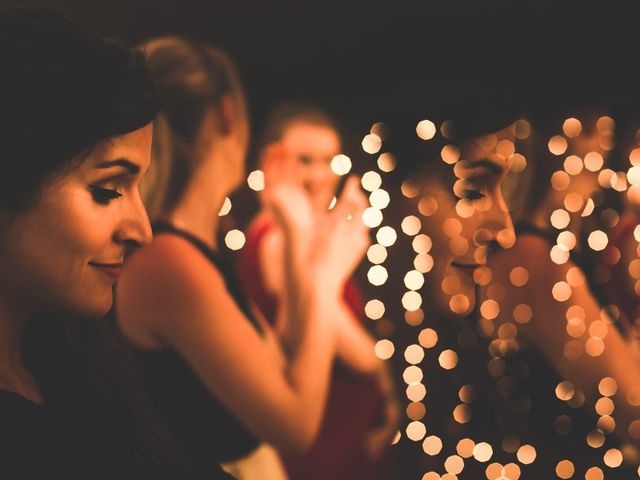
{"points": [[195, 416]]}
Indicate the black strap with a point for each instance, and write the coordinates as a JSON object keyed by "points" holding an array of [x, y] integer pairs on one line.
{"points": [[222, 263]]}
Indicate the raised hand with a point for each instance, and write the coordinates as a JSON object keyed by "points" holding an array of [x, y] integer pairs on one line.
{"points": [[340, 238], [283, 194]]}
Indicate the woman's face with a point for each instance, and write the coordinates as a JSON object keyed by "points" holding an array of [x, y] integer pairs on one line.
{"points": [[466, 217], [64, 253], [314, 146]]}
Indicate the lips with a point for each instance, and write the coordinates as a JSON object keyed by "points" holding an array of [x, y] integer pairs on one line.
{"points": [[111, 270], [466, 266]]}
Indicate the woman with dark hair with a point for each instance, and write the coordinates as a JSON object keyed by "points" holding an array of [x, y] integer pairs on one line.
{"points": [[75, 140], [362, 411], [550, 317], [214, 370]]}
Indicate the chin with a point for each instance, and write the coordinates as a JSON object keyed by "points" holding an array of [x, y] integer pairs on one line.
{"points": [[447, 306], [462, 305], [97, 305]]}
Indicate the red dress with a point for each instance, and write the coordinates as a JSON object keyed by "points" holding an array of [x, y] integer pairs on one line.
{"points": [[354, 403]]}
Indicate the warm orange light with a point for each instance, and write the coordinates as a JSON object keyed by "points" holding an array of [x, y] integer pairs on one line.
{"points": [[613, 458], [386, 162], [565, 469], [411, 225], [593, 161], [557, 145], [572, 127], [522, 313], [371, 181], [560, 219], [416, 431], [432, 445], [428, 338], [234, 239], [379, 199], [414, 354], [519, 276], [376, 253], [450, 154], [426, 129], [427, 205], [607, 387], [598, 240], [411, 300], [482, 452], [448, 359], [374, 309], [526, 454], [384, 349], [371, 143], [341, 164]]}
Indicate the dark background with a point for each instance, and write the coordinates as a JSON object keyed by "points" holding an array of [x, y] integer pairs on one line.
{"points": [[396, 62], [367, 61]]}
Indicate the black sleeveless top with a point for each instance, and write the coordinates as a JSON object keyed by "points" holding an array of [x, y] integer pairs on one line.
{"points": [[95, 422], [526, 228], [507, 400], [203, 425]]}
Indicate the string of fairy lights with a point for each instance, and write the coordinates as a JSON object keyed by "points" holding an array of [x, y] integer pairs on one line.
{"points": [[583, 336]]}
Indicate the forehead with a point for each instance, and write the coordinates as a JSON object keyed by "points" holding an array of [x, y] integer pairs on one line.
{"points": [[133, 146], [488, 151], [311, 138]]}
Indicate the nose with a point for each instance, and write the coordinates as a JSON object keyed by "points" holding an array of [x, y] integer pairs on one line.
{"points": [[319, 174], [134, 230], [498, 225]]}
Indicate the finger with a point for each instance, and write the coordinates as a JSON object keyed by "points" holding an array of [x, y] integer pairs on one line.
{"points": [[352, 202]]}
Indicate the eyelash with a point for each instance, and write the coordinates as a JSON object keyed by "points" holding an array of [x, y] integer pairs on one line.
{"points": [[473, 195], [102, 195]]}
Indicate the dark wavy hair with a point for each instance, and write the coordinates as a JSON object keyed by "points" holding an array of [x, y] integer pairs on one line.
{"points": [[63, 89]]}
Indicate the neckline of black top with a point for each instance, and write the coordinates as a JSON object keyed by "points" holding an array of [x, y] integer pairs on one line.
{"points": [[220, 261]]}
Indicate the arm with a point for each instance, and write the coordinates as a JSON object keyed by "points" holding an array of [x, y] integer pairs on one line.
{"points": [[547, 330], [182, 299], [355, 347]]}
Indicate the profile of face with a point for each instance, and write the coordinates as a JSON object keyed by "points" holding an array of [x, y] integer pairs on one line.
{"points": [[314, 146], [466, 217], [65, 252]]}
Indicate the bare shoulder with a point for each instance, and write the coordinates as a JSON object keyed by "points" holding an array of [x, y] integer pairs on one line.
{"points": [[532, 253], [160, 282], [169, 261]]}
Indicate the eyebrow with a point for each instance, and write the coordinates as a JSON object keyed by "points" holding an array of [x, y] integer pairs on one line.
{"points": [[131, 167], [492, 166]]}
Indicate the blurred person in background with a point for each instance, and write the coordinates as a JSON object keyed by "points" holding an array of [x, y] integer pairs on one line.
{"points": [[362, 412], [213, 368], [565, 360]]}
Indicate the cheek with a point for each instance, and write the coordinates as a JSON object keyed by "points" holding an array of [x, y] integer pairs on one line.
{"points": [[471, 228], [332, 183], [60, 240], [79, 227]]}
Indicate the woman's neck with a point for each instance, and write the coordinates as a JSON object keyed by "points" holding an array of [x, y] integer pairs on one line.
{"points": [[14, 375], [541, 217], [198, 210]]}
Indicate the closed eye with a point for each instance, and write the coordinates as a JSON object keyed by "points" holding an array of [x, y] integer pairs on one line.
{"points": [[473, 195], [103, 195]]}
